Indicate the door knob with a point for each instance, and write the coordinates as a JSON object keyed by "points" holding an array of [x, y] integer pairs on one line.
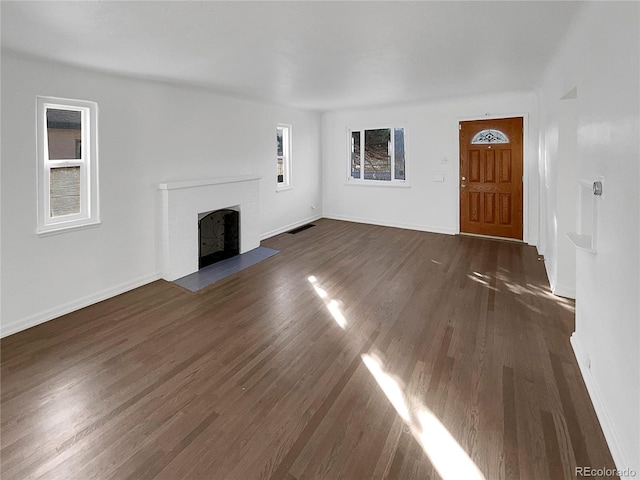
{"points": [[462, 185]]}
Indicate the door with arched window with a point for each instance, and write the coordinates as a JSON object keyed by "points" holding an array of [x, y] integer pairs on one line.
{"points": [[491, 167]]}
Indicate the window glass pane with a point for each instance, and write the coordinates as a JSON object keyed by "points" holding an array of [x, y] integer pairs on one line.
{"points": [[355, 154], [279, 135], [65, 191], [64, 131], [280, 169], [377, 162], [398, 139], [282, 152]]}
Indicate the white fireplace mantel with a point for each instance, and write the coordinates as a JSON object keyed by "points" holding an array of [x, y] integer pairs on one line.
{"points": [[206, 181], [181, 202]]}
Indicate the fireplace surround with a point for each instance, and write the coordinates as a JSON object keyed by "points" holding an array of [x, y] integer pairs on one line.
{"points": [[182, 204]]}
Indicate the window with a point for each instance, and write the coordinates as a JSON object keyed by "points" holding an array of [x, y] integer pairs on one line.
{"points": [[489, 136], [283, 155], [67, 164], [377, 155]]}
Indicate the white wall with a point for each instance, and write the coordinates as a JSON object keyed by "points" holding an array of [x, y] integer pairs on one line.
{"points": [[567, 190], [431, 133], [149, 133], [600, 56]]}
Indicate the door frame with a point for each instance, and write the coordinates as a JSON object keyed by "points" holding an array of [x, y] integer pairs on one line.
{"points": [[525, 166]]}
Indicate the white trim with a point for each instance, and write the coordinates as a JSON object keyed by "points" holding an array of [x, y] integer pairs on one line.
{"points": [[42, 317], [566, 292], [558, 290], [525, 162], [393, 182], [492, 237], [602, 412], [378, 184], [208, 181], [550, 277], [406, 226], [89, 213], [291, 226], [64, 228]]}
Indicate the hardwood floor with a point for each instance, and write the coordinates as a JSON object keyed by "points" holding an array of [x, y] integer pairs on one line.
{"points": [[408, 354]]}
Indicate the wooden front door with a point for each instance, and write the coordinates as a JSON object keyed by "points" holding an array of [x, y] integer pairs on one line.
{"points": [[491, 177]]}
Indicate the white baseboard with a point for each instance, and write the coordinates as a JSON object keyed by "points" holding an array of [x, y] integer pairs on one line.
{"points": [[547, 269], [408, 226], [42, 317], [556, 288], [291, 226], [602, 412], [566, 292]]}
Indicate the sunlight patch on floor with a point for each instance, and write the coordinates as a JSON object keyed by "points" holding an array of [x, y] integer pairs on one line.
{"points": [[388, 385], [476, 277], [332, 304], [445, 453], [538, 291], [479, 280]]}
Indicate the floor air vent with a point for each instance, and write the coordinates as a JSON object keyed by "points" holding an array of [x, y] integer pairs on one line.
{"points": [[302, 228]]}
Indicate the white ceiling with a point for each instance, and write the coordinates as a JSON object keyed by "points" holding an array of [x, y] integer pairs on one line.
{"points": [[322, 55]]}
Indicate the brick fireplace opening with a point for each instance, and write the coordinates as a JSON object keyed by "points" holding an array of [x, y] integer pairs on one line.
{"points": [[219, 236]]}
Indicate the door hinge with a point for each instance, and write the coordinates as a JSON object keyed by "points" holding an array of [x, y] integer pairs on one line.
{"points": [[459, 126]]}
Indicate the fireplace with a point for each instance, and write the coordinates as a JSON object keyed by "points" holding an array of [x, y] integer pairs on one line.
{"points": [[218, 232], [184, 204]]}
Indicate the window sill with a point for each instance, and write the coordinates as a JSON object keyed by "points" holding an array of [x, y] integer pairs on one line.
{"points": [[378, 184], [55, 230]]}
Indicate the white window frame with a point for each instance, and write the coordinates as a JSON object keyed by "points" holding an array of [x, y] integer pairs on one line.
{"points": [[89, 214], [393, 182], [286, 157]]}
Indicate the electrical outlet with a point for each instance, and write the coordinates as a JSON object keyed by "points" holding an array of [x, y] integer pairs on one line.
{"points": [[444, 160]]}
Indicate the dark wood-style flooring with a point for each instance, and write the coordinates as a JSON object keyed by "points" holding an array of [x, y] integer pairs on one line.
{"points": [[404, 355]]}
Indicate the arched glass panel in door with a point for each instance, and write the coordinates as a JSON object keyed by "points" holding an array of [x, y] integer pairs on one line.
{"points": [[489, 136]]}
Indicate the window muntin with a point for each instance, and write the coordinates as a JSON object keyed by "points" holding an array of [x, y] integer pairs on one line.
{"points": [[67, 164], [377, 155], [283, 156]]}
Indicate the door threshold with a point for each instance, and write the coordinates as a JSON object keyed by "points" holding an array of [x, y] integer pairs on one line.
{"points": [[491, 237]]}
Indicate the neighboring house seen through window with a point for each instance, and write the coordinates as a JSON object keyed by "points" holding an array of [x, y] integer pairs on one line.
{"points": [[67, 164], [377, 155]]}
